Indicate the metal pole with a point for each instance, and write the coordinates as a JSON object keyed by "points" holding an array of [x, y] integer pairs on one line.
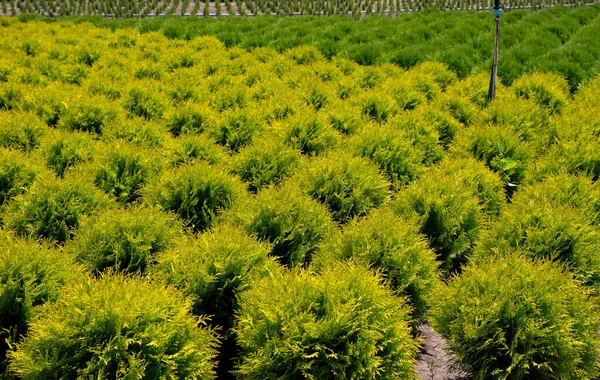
{"points": [[492, 90]]}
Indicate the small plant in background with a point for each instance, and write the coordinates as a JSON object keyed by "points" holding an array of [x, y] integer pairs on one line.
{"points": [[518, 318], [341, 323], [124, 241], [294, 224], [348, 186], [392, 246], [197, 193], [116, 327]]}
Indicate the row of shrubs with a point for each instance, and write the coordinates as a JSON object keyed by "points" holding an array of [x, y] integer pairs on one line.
{"points": [[532, 278], [141, 245], [558, 39]]}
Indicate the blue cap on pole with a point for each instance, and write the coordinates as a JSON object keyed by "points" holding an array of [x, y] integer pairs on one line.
{"points": [[497, 12]]}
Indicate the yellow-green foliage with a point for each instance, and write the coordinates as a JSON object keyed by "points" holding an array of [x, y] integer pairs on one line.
{"points": [[214, 269], [116, 327], [341, 323], [197, 193], [387, 243], [124, 241], [291, 221], [348, 186], [20, 131], [31, 274], [518, 319], [53, 209], [17, 174], [280, 152], [547, 90]]}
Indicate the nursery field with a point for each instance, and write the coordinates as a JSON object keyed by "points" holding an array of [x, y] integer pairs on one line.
{"points": [[179, 208], [560, 39], [251, 8]]}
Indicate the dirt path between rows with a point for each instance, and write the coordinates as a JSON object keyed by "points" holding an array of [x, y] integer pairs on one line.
{"points": [[433, 363]]}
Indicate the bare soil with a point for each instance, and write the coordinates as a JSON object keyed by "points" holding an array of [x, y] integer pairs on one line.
{"points": [[433, 363]]}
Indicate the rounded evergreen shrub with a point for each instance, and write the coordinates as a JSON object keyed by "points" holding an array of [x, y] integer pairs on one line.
{"points": [[344, 118], [447, 126], [518, 319], [500, 149], [309, 134], [265, 163], [548, 90], [550, 231], [67, 151], [197, 193], [20, 131], [91, 115], [574, 156], [116, 328], [124, 241], [53, 210], [190, 119], [525, 117], [125, 170], [188, 148], [213, 270], [460, 107], [392, 151], [392, 246], [378, 107], [31, 274], [16, 174], [304, 55], [424, 137], [348, 186], [447, 211], [142, 103], [342, 323], [138, 131], [237, 129], [471, 174], [578, 191], [294, 224]]}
